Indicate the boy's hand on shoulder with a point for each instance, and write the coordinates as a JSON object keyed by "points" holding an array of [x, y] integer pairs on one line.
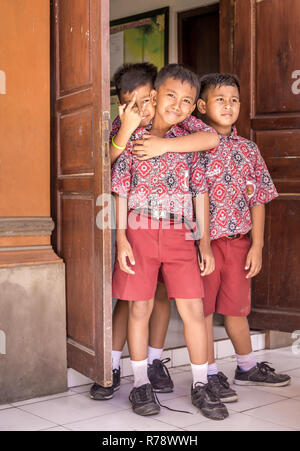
{"points": [[150, 146], [207, 266], [125, 251], [130, 115], [253, 261]]}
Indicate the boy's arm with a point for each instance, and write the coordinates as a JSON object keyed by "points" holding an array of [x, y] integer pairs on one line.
{"points": [[152, 146], [201, 207], [120, 138], [254, 257], [130, 120], [124, 249]]}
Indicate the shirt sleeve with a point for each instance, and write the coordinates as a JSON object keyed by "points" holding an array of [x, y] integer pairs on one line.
{"points": [[197, 180], [265, 189], [192, 125], [121, 173], [116, 125]]}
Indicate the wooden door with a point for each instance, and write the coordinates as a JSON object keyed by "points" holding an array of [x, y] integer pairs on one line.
{"points": [[263, 50], [80, 174], [198, 39]]}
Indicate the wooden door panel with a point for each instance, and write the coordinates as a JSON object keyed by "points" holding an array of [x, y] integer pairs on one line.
{"points": [[83, 184], [272, 122], [80, 174], [276, 288], [278, 284], [281, 152], [266, 57], [76, 142], [279, 143], [277, 55], [77, 249], [74, 23]]}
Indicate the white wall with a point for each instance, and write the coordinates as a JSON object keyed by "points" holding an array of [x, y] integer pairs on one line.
{"points": [[124, 8]]}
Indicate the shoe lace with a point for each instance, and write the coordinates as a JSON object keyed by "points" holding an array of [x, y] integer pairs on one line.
{"points": [[217, 380], [161, 367], [169, 408], [143, 395], [264, 368], [223, 380], [162, 370], [209, 388]]}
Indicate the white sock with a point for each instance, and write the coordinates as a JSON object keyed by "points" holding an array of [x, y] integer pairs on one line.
{"points": [[212, 369], [154, 353], [140, 375], [199, 373], [246, 362], [116, 356]]}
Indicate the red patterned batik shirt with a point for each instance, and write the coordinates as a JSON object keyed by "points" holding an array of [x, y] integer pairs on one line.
{"points": [[191, 124], [237, 179], [165, 183]]}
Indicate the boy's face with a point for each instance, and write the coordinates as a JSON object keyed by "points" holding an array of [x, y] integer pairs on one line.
{"points": [[174, 101], [143, 103], [221, 108]]}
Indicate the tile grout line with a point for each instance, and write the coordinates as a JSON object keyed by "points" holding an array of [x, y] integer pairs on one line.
{"points": [[267, 404], [96, 416], [38, 416], [268, 421], [35, 401]]}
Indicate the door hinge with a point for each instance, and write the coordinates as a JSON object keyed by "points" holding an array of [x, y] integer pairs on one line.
{"points": [[106, 128]]}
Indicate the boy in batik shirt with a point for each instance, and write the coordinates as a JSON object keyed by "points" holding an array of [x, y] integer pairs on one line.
{"points": [[134, 85], [152, 200], [239, 186]]}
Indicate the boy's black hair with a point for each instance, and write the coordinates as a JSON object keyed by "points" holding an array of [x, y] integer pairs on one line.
{"points": [[130, 76], [178, 72], [217, 79]]}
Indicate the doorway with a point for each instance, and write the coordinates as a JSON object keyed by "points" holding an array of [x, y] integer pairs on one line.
{"points": [[198, 39]]}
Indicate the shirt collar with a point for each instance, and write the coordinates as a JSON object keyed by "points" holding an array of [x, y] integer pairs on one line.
{"points": [[138, 133], [174, 131], [233, 135]]}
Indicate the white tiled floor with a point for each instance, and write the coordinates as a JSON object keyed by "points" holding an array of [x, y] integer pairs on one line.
{"points": [[258, 408]]}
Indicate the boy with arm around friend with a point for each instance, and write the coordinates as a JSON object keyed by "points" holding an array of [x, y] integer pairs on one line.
{"points": [[163, 190], [134, 85]]}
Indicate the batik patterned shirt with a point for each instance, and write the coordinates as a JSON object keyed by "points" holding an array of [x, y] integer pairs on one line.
{"points": [[237, 179], [191, 124], [165, 183]]}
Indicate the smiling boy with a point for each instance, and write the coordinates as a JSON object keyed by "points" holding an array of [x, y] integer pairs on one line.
{"points": [[134, 85], [164, 190]]}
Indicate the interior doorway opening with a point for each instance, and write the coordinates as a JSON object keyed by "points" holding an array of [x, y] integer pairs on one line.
{"points": [[198, 39]]}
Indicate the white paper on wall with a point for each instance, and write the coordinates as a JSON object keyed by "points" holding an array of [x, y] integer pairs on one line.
{"points": [[116, 51]]}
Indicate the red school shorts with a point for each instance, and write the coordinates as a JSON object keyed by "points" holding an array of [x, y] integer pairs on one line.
{"points": [[159, 249], [227, 291]]}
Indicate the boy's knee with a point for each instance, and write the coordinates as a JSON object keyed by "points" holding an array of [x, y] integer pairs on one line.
{"points": [[238, 322], [140, 309], [192, 309]]}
